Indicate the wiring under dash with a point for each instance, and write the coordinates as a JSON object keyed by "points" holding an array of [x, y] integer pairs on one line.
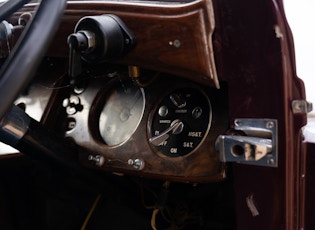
{"points": [[90, 213]]}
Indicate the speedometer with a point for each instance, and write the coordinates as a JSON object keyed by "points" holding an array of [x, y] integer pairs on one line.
{"points": [[122, 112]]}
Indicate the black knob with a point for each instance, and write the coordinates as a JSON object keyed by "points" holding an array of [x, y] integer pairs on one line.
{"points": [[107, 37]]}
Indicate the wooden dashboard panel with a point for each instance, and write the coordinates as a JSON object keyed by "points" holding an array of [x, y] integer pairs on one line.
{"points": [[171, 38]]}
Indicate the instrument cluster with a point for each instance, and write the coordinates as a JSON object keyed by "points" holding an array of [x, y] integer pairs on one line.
{"points": [[165, 129]]}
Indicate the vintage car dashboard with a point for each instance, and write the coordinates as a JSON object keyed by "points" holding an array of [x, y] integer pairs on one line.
{"points": [[184, 91], [156, 115], [147, 87]]}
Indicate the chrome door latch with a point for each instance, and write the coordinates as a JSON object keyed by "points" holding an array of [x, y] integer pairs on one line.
{"points": [[254, 141]]}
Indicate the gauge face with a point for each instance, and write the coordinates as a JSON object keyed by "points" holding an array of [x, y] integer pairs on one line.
{"points": [[181, 122], [122, 113]]}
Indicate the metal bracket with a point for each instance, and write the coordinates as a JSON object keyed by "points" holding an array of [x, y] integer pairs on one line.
{"points": [[301, 106], [258, 146]]}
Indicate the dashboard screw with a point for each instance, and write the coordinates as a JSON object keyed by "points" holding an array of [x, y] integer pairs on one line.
{"points": [[137, 164], [98, 160]]}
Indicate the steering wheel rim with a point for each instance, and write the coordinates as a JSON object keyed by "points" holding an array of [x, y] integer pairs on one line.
{"points": [[21, 65]]}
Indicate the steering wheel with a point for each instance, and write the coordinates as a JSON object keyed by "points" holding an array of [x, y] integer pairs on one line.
{"points": [[27, 54], [16, 73]]}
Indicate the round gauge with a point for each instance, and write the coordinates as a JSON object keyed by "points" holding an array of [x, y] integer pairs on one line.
{"points": [[180, 122], [122, 113]]}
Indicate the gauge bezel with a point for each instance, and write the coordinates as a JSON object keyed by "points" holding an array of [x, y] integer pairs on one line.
{"points": [[97, 108], [155, 109]]}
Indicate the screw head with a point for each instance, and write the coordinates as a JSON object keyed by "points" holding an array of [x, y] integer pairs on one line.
{"points": [[269, 125], [271, 161], [238, 123]]}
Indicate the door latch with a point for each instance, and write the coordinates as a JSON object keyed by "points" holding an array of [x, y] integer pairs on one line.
{"points": [[253, 142]]}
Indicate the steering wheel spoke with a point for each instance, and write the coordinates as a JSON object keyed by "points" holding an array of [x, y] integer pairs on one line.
{"points": [[19, 68]]}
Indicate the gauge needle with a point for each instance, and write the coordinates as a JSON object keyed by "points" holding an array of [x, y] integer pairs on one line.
{"points": [[175, 128]]}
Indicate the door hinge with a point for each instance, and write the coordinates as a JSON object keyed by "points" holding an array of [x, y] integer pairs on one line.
{"points": [[254, 141]]}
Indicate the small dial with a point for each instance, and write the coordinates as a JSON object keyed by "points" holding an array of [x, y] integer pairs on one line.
{"points": [[180, 122]]}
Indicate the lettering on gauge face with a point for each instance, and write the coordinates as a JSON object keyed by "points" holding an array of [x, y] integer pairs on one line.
{"points": [[173, 150], [195, 134], [181, 111], [188, 144], [165, 121], [163, 143]]}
